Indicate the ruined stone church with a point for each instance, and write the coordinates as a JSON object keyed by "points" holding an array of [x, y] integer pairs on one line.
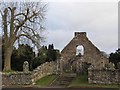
{"points": [[80, 44]]}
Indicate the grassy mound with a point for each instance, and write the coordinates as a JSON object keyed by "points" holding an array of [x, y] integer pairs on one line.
{"points": [[46, 81]]}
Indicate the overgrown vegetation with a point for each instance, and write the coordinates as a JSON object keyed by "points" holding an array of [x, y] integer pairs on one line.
{"points": [[46, 55], [115, 58], [25, 53]]}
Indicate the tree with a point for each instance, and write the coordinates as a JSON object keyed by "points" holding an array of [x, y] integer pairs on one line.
{"points": [[52, 54], [2, 57], [21, 20], [41, 57], [115, 57], [46, 55], [50, 46], [20, 55]]}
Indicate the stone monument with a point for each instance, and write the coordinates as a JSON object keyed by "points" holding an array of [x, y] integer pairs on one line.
{"points": [[26, 67]]}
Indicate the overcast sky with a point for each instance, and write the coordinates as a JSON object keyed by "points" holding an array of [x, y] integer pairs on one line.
{"points": [[98, 19]]}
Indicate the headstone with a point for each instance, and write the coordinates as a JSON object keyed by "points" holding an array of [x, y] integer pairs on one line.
{"points": [[26, 67]]}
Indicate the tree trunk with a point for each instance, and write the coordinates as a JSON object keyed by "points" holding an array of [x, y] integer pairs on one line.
{"points": [[7, 61]]}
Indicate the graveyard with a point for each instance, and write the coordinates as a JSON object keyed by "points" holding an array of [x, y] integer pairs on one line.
{"points": [[84, 35]]}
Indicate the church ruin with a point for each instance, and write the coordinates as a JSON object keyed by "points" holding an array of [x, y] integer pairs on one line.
{"points": [[78, 53], [89, 53]]}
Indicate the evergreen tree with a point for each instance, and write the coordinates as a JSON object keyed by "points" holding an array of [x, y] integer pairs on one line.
{"points": [[52, 54], [115, 57], [41, 57], [20, 55]]}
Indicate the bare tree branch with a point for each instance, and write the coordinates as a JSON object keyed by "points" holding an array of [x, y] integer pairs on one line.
{"points": [[29, 37], [21, 20], [19, 14]]}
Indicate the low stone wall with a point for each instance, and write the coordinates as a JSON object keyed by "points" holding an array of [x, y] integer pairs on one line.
{"points": [[16, 78], [104, 76], [28, 78], [43, 70]]}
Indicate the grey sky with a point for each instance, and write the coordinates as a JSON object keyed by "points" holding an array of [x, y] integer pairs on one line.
{"points": [[98, 19]]}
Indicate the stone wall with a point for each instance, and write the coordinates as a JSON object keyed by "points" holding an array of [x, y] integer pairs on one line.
{"points": [[104, 76], [16, 78], [28, 78], [43, 70]]}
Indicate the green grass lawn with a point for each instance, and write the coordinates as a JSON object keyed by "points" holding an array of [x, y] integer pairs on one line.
{"points": [[9, 71], [45, 81], [81, 81]]}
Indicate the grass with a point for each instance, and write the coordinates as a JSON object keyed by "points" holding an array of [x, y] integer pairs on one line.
{"points": [[81, 81], [46, 81], [9, 71]]}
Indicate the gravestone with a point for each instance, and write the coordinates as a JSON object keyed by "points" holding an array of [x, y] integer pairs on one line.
{"points": [[26, 67]]}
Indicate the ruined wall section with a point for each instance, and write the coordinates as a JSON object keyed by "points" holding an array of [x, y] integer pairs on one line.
{"points": [[17, 78], [91, 53], [29, 78], [103, 76], [45, 69]]}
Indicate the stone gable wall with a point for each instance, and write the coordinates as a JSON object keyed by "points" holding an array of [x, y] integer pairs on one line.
{"points": [[91, 53]]}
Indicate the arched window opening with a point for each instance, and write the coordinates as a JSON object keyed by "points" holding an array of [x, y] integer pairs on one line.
{"points": [[79, 50]]}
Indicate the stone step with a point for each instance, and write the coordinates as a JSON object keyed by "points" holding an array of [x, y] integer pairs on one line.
{"points": [[63, 80]]}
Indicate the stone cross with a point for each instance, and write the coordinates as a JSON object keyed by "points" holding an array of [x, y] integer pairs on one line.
{"points": [[26, 67]]}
